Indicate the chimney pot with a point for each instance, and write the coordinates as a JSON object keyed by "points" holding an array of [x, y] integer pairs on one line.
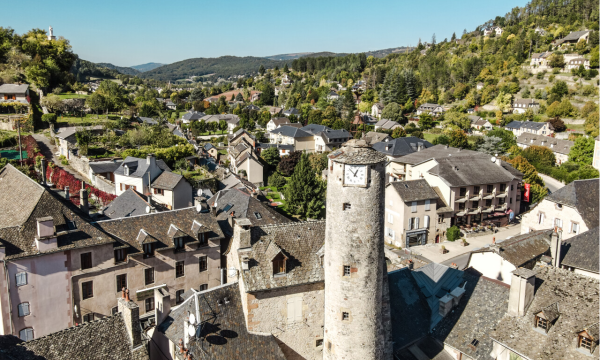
{"points": [[67, 196], [127, 295], [123, 293]]}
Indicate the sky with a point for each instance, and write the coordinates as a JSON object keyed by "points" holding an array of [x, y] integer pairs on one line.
{"points": [[132, 32]]}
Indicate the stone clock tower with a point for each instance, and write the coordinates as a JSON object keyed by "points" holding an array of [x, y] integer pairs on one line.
{"points": [[356, 292]]}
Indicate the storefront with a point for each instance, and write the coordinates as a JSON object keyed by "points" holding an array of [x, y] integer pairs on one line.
{"points": [[416, 237]]}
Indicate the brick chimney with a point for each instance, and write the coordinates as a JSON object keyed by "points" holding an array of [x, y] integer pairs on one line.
{"points": [[131, 316], [521, 293], [162, 300]]}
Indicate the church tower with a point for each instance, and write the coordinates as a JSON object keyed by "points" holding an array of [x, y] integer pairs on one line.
{"points": [[356, 310]]}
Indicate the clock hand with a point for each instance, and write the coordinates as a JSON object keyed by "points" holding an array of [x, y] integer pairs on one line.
{"points": [[356, 172]]}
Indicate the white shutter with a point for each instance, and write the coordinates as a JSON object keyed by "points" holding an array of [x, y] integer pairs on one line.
{"points": [[413, 206], [294, 307], [410, 223], [390, 218], [416, 223], [426, 222], [427, 204], [21, 278]]}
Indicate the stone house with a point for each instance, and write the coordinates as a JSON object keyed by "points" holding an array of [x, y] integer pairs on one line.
{"points": [[580, 254], [519, 106], [251, 168], [15, 93], [328, 139], [211, 150], [540, 59], [576, 63], [479, 124], [242, 135], [433, 109], [288, 135], [499, 260], [572, 208], [231, 119], [172, 190], [138, 174], [373, 137], [573, 38], [559, 147], [531, 127], [67, 141], [284, 150], [386, 124], [552, 315], [395, 149], [410, 213]]}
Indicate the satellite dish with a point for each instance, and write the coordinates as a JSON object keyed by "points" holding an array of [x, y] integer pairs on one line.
{"points": [[200, 192], [493, 159], [191, 330], [192, 319], [147, 209]]}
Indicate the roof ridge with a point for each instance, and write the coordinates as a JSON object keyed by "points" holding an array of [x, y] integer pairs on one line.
{"points": [[291, 224], [72, 328]]}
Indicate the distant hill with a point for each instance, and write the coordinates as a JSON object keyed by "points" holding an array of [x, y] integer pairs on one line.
{"points": [[326, 54], [146, 67], [385, 52], [121, 69], [375, 53], [224, 66], [288, 56]]}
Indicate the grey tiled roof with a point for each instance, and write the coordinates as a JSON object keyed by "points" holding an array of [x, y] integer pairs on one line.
{"points": [[530, 102], [167, 180], [13, 88], [147, 120], [465, 171], [193, 115], [280, 121], [138, 167], [357, 152], [291, 131], [523, 250], [373, 137], [581, 251], [401, 146], [583, 196], [328, 135], [129, 203], [298, 241], [102, 339], [19, 196], [434, 152], [157, 226], [482, 306], [575, 35], [577, 297], [314, 128], [223, 334], [101, 167], [532, 125], [413, 190]]}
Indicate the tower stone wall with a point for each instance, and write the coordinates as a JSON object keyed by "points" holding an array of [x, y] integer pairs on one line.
{"points": [[355, 310]]}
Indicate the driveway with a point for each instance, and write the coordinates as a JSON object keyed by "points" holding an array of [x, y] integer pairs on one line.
{"points": [[432, 251], [551, 183], [49, 150]]}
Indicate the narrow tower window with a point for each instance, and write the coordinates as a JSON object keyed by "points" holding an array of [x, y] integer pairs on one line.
{"points": [[346, 270], [347, 206], [345, 316]]}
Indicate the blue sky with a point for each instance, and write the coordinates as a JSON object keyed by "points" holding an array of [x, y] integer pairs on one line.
{"points": [[132, 32]]}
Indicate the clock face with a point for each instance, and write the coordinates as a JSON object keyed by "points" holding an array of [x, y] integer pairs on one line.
{"points": [[355, 175]]}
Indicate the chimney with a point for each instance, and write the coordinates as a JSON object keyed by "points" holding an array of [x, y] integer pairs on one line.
{"points": [[44, 164], [67, 196], [230, 218], [419, 146], [131, 316], [151, 160], [83, 199], [521, 291], [46, 235], [555, 246], [243, 228], [162, 300]]}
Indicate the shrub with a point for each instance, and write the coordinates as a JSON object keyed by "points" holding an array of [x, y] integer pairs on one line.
{"points": [[277, 180], [49, 118], [453, 233]]}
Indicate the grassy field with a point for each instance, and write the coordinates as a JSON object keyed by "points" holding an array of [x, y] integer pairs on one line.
{"points": [[430, 137], [576, 127], [87, 119], [113, 80], [72, 96]]}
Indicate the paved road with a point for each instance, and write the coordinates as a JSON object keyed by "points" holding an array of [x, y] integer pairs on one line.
{"points": [[49, 150], [551, 183]]}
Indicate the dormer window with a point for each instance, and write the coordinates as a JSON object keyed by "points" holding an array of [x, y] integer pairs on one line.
{"points": [[126, 170], [149, 250], [178, 242], [541, 323], [279, 264]]}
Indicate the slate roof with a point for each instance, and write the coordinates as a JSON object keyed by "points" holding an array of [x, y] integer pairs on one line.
{"points": [[373, 137], [329, 135], [387, 124], [299, 243], [581, 195], [278, 146], [167, 180], [575, 35], [314, 128], [413, 190], [147, 120], [66, 132], [290, 131], [101, 167], [522, 250], [357, 152], [581, 251], [235, 181], [528, 102], [466, 171], [557, 145], [18, 225], [243, 205], [577, 297], [252, 107], [401, 146], [13, 88], [102, 339], [129, 203], [208, 146], [193, 115], [481, 307], [138, 167], [230, 118], [531, 125], [239, 133], [434, 152], [223, 334], [157, 226], [291, 111], [280, 121]]}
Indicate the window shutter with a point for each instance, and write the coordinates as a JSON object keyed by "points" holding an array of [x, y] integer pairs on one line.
{"points": [[294, 307], [426, 222], [393, 234], [427, 204], [298, 309], [21, 279], [416, 223], [390, 218], [413, 206], [410, 222]]}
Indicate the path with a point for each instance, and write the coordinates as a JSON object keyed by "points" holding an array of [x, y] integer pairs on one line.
{"points": [[551, 183], [49, 150], [432, 251]]}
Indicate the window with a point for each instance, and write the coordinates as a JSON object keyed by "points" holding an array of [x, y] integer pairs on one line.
{"points": [[476, 190], [574, 228], [178, 242], [461, 206], [149, 276], [413, 206], [558, 222], [347, 270], [120, 255], [23, 309], [463, 192], [512, 187], [585, 343], [389, 232], [346, 206], [159, 191], [501, 201], [427, 205], [294, 309], [329, 345], [488, 202], [121, 282], [179, 296], [179, 269], [345, 316], [149, 250], [21, 278], [440, 219], [502, 187], [559, 206], [87, 290], [88, 317], [541, 323], [257, 215], [114, 310], [203, 262], [475, 204], [319, 342], [510, 201], [426, 222], [202, 239], [26, 334], [541, 217], [86, 261], [203, 287], [490, 189], [390, 218], [150, 304], [279, 264]]}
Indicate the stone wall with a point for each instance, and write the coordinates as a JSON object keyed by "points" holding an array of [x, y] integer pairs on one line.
{"points": [[105, 185], [80, 163], [268, 313]]}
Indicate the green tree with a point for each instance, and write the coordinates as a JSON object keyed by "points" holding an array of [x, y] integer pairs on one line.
{"points": [[398, 133], [271, 156], [582, 152], [453, 233], [508, 139], [222, 125], [392, 111], [556, 61], [504, 101], [277, 181], [261, 70], [288, 163], [530, 176], [458, 139], [305, 191], [49, 118], [491, 145], [425, 121], [539, 155]]}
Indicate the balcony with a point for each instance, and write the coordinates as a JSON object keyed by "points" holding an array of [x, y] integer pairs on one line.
{"points": [[474, 211], [501, 207], [477, 196], [488, 196], [488, 209], [463, 198]]}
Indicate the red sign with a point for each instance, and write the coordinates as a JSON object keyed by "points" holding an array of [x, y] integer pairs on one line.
{"points": [[526, 195]]}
